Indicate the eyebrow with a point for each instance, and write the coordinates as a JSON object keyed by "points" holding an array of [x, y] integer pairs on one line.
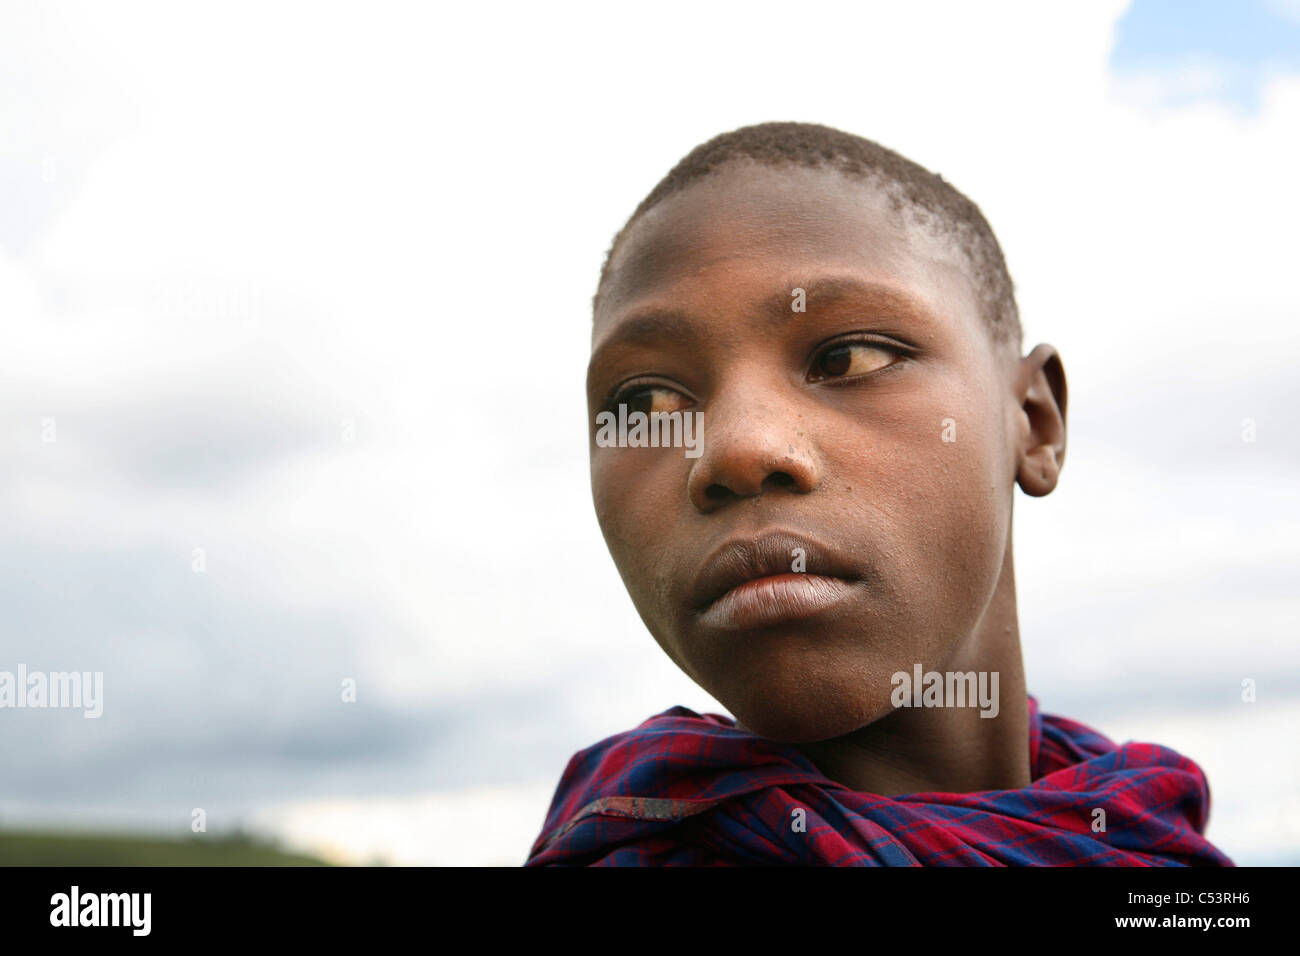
{"points": [[647, 328], [823, 291], [650, 326]]}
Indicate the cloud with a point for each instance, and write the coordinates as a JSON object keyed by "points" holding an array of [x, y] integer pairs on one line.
{"points": [[1167, 55]]}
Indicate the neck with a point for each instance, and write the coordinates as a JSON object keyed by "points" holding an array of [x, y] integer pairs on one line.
{"points": [[948, 749]]}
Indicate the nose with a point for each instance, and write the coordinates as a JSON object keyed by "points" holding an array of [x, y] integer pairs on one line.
{"points": [[751, 447]]}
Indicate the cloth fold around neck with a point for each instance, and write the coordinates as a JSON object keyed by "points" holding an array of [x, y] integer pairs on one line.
{"points": [[693, 789]]}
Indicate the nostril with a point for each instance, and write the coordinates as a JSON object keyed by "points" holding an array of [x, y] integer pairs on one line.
{"points": [[777, 479]]}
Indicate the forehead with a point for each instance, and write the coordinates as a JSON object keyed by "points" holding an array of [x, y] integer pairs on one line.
{"points": [[724, 234]]}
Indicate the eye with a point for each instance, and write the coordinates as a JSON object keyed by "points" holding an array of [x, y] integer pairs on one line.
{"points": [[849, 359], [648, 399]]}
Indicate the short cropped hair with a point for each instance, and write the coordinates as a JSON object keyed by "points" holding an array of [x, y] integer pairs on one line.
{"points": [[815, 146]]}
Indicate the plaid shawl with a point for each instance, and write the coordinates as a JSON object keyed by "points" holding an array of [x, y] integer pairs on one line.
{"points": [[691, 789]]}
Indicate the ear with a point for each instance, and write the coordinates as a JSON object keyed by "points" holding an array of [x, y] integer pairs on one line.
{"points": [[1040, 389]]}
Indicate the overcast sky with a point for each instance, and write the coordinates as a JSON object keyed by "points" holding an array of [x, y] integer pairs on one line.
{"points": [[307, 287]]}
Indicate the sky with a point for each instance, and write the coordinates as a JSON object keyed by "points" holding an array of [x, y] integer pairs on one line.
{"points": [[295, 303]]}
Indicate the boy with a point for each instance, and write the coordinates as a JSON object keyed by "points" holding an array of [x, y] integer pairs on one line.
{"points": [[832, 562]]}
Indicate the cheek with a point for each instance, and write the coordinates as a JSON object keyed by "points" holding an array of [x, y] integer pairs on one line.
{"points": [[934, 486], [632, 497], [613, 498], [966, 516]]}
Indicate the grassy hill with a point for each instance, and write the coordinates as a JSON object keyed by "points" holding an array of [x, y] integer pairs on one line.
{"points": [[24, 848]]}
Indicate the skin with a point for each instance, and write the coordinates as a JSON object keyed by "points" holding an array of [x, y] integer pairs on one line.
{"points": [[854, 459]]}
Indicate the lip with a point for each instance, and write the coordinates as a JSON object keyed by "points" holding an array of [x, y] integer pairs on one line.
{"points": [[774, 600], [751, 582]]}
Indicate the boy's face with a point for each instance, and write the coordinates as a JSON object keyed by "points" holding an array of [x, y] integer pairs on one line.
{"points": [[875, 431]]}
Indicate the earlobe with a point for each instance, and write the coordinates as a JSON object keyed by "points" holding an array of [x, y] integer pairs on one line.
{"points": [[1042, 416]]}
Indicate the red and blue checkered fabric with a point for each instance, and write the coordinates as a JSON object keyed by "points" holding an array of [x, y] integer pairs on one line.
{"points": [[687, 789]]}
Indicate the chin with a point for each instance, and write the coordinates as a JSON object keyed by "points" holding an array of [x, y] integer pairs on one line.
{"points": [[800, 685], [790, 727], [807, 713]]}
